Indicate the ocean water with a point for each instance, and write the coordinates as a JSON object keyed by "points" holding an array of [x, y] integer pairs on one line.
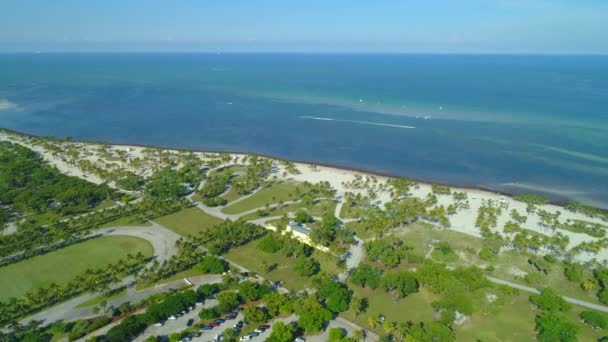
{"points": [[509, 123]]}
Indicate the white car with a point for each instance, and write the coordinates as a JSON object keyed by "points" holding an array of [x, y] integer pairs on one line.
{"points": [[245, 338], [159, 324], [300, 339], [172, 317]]}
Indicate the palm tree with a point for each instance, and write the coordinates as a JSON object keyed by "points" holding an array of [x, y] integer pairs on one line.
{"points": [[373, 321], [358, 335], [390, 327]]}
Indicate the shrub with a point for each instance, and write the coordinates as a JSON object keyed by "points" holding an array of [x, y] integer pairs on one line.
{"points": [[594, 319], [307, 266], [549, 301], [270, 244], [209, 313], [212, 264]]}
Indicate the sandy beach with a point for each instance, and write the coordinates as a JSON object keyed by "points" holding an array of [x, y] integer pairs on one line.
{"points": [[463, 221]]}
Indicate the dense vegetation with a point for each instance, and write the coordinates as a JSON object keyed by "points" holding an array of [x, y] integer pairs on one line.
{"points": [[29, 185], [228, 234]]}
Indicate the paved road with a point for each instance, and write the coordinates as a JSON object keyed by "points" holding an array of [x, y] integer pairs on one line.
{"points": [[353, 259], [162, 239], [533, 290]]}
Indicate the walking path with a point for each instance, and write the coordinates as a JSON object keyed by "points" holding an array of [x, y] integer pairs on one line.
{"points": [[536, 291]]}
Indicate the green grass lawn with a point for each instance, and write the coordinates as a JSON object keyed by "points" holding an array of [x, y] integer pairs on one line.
{"points": [[62, 265], [356, 211], [318, 209], [420, 235], [415, 307], [359, 229], [281, 191], [188, 221], [509, 261], [514, 321], [250, 257]]}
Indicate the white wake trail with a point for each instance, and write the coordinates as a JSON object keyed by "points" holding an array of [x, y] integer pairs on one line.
{"points": [[356, 121]]}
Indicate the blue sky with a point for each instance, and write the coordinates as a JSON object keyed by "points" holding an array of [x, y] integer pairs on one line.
{"points": [[542, 26]]}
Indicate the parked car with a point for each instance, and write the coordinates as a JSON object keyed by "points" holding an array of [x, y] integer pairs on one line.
{"points": [[159, 324], [219, 320], [231, 315], [300, 339], [239, 324], [264, 326], [190, 322], [206, 327], [213, 324], [246, 338], [254, 334], [172, 317]]}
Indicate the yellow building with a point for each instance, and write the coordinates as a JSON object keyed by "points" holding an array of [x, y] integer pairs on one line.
{"points": [[299, 232]]}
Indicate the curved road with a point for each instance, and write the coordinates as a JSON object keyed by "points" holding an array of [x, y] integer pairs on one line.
{"points": [[162, 240]]}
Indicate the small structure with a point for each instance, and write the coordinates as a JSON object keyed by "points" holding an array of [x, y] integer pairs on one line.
{"points": [[299, 232]]}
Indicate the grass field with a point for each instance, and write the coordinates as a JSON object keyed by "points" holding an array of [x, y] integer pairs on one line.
{"points": [[318, 209], [188, 221], [250, 257], [359, 229], [356, 211], [514, 321], [62, 265], [281, 191], [416, 307]]}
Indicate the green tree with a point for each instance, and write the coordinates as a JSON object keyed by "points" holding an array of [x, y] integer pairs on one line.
{"points": [[282, 332], [213, 264], [254, 314], [325, 233], [549, 301], [595, 319], [307, 266], [229, 299], [335, 294], [250, 290], [552, 327], [303, 216], [336, 334], [312, 315]]}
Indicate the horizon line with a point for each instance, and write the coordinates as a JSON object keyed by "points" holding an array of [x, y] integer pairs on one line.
{"points": [[290, 52]]}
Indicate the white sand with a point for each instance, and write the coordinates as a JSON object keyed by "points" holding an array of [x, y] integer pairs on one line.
{"points": [[463, 221]]}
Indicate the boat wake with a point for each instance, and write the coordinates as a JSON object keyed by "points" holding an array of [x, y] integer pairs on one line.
{"points": [[358, 122]]}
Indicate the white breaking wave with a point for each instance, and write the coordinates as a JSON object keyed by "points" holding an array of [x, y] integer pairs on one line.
{"points": [[316, 118], [356, 121]]}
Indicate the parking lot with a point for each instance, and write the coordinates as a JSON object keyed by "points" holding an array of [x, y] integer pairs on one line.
{"points": [[180, 323]]}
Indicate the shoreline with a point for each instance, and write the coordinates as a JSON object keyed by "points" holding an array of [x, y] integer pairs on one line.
{"points": [[362, 170], [339, 178]]}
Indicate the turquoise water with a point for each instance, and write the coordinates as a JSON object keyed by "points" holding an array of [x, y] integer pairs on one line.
{"points": [[509, 123]]}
